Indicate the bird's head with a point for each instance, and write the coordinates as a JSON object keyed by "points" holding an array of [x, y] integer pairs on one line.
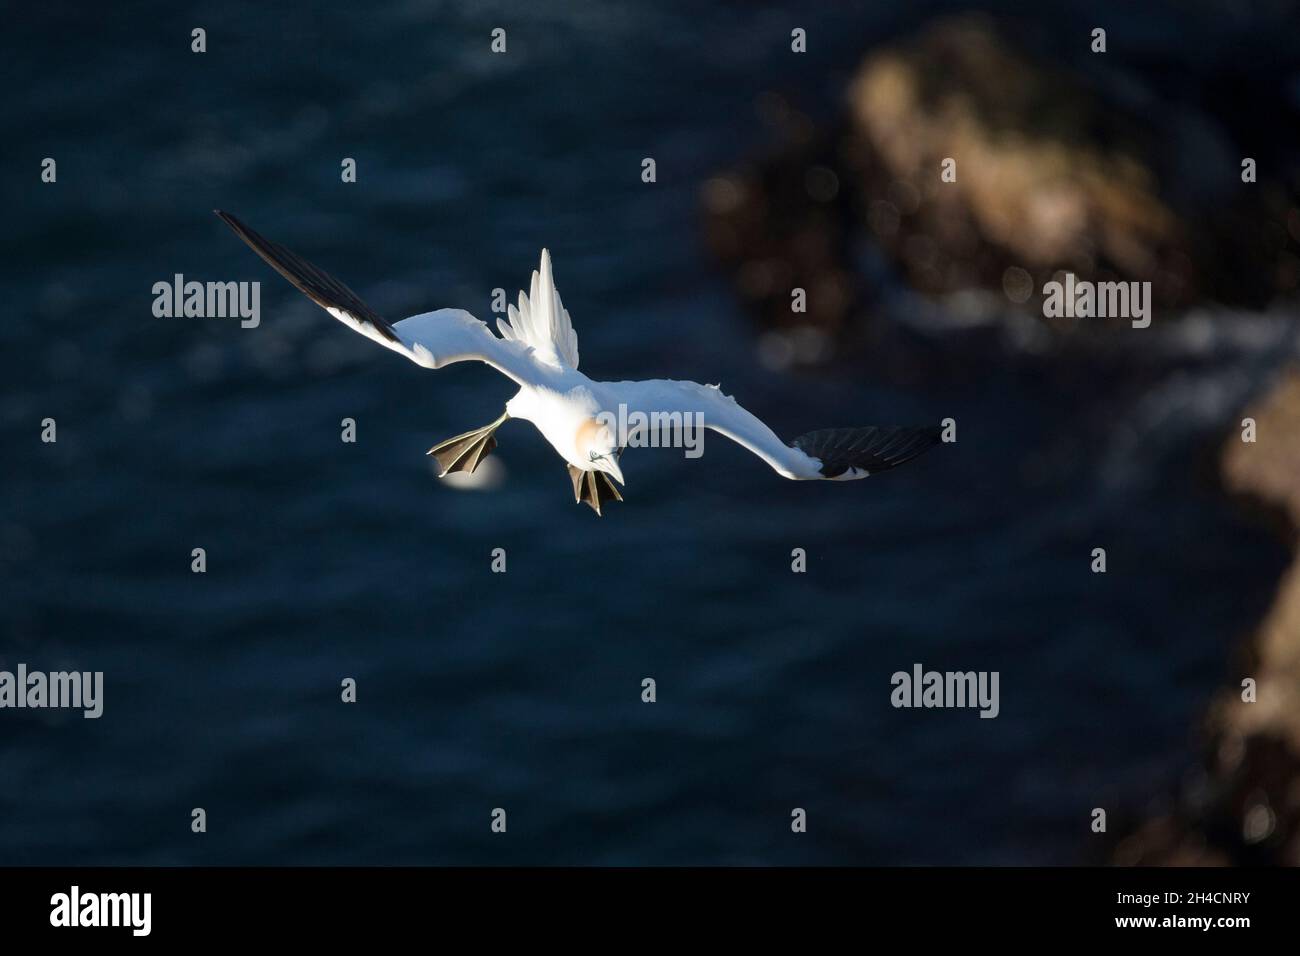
{"points": [[598, 448]]}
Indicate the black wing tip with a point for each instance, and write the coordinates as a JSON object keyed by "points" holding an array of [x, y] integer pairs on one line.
{"points": [[873, 448], [312, 281], [233, 222]]}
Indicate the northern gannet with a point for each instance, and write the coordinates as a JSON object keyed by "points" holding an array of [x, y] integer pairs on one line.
{"points": [[538, 350]]}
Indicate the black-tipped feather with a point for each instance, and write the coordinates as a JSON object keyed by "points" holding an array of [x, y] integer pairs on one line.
{"points": [[872, 449], [318, 285]]}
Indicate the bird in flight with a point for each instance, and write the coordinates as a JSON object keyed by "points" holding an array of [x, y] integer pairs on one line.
{"points": [[538, 350]]}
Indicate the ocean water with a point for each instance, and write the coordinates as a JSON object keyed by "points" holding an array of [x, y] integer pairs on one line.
{"points": [[523, 690]]}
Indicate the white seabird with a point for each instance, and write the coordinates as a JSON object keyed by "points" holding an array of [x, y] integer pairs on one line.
{"points": [[538, 350]]}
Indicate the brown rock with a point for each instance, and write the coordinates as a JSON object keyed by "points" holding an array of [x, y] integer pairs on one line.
{"points": [[1247, 807], [1268, 470], [1050, 177], [1046, 177]]}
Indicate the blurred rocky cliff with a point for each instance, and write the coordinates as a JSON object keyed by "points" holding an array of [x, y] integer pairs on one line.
{"points": [[1242, 805], [1059, 170], [1051, 172]]}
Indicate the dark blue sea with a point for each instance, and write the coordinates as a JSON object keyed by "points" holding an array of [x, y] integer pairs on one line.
{"points": [[522, 690]]}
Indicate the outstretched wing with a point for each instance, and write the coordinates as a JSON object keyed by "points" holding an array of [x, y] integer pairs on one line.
{"points": [[541, 322], [433, 339], [834, 453]]}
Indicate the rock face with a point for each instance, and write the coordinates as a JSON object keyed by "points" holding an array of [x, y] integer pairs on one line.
{"points": [[1042, 177], [1052, 172], [1047, 175], [1246, 806]]}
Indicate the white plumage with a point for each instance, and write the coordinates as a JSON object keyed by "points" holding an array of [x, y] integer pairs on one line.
{"points": [[538, 350], [541, 321]]}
